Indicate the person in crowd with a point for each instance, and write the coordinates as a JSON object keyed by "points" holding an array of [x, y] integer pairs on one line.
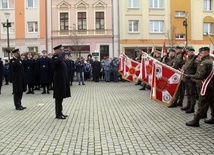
{"points": [[96, 67], [36, 72], [114, 66], [190, 67], [88, 69], [7, 72], [102, 73], [68, 63], [107, 69], [203, 71], [18, 76], [80, 69], [45, 68], [1, 73], [60, 81], [72, 70], [29, 73], [50, 55]]}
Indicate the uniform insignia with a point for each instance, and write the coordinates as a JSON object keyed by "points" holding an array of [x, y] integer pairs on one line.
{"points": [[201, 64]]}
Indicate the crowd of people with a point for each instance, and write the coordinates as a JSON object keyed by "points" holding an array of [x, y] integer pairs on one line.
{"points": [[196, 69], [38, 70]]}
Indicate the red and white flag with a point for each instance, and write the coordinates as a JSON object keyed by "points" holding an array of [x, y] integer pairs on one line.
{"points": [[163, 52], [165, 82], [146, 70], [207, 81], [131, 70]]}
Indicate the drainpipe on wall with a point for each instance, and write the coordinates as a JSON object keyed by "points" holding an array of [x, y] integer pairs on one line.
{"points": [[118, 14], [112, 16]]}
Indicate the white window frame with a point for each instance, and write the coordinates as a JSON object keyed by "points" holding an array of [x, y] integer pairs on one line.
{"points": [[11, 29], [207, 5], [159, 5], [133, 23], [179, 36], [35, 29], [208, 26], [9, 5], [180, 14], [35, 4], [133, 3], [152, 25]]}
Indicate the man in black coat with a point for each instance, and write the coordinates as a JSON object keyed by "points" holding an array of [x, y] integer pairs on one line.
{"points": [[17, 70], [45, 72], [72, 70], [29, 73], [6, 72], [60, 81], [96, 67]]}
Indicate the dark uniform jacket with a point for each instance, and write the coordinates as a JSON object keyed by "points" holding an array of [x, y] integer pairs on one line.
{"points": [[1, 72], [17, 70], [45, 67], [60, 79], [204, 68], [29, 71], [96, 67], [190, 66], [179, 61]]}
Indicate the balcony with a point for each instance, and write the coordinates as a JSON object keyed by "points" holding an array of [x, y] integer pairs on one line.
{"points": [[82, 33]]}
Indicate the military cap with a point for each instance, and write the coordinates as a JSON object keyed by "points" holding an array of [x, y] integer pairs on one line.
{"points": [[178, 47], [57, 47], [204, 49], [191, 49], [15, 50], [44, 51], [171, 50]]}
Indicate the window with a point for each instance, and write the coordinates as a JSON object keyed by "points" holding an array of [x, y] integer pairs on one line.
{"points": [[104, 51], [6, 4], [33, 49], [133, 3], [133, 25], [11, 29], [32, 3], [180, 13], [32, 27], [64, 21], [100, 21], [179, 36], [81, 20], [208, 28], [156, 26], [207, 5], [156, 4]]}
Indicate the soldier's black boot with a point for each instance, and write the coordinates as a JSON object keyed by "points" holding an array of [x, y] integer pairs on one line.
{"points": [[193, 123], [180, 103], [173, 104], [48, 92], [209, 121], [191, 109], [143, 87], [44, 91]]}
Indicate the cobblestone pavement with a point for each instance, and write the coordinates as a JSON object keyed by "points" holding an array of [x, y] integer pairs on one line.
{"points": [[104, 118]]}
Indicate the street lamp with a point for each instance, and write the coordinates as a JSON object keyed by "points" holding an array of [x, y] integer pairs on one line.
{"points": [[7, 25], [186, 24]]}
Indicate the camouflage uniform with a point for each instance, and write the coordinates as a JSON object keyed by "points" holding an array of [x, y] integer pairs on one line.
{"points": [[179, 97], [190, 68], [203, 71]]}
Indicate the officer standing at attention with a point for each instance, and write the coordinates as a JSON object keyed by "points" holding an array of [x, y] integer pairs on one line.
{"points": [[60, 81], [190, 67], [203, 71], [17, 70]]}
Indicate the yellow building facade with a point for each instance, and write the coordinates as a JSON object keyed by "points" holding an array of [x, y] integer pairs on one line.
{"points": [[144, 24]]}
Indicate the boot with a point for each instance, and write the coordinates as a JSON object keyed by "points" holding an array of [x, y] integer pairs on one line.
{"points": [[173, 105], [187, 106], [193, 123], [180, 103], [190, 111], [48, 92], [209, 121], [44, 91]]}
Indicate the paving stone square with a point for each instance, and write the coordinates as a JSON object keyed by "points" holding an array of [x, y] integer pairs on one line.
{"points": [[105, 118]]}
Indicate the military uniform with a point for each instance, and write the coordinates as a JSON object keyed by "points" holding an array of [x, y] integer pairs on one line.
{"points": [[60, 82], [203, 71], [96, 67], [190, 68], [45, 73], [29, 75], [1, 74], [36, 74], [17, 70], [177, 64]]}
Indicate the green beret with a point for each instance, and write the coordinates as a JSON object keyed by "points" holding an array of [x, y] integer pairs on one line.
{"points": [[171, 50], [204, 49], [178, 47], [191, 49]]}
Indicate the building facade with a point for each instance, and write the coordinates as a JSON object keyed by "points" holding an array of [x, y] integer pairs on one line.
{"points": [[171, 22], [83, 27], [28, 30]]}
